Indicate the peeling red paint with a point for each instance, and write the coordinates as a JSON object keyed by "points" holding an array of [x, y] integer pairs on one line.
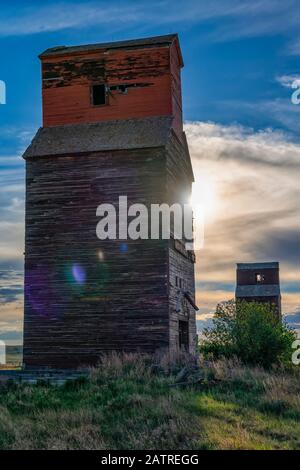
{"points": [[67, 82]]}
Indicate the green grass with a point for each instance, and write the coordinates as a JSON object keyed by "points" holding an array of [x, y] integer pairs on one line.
{"points": [[128, 404]]}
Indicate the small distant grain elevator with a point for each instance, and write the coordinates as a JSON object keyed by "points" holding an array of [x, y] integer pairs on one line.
{"points": [[259, 282], [112, 125]]}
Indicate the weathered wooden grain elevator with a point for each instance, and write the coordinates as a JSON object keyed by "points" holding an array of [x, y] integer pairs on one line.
{"points": [[112, 125], [259, 282]]}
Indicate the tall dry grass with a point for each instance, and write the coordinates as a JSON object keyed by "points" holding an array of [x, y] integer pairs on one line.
{"points": [[143, 402]]}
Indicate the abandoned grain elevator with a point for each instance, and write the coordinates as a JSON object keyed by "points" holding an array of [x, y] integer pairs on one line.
{"points": [[259, 282], [112, 125]]}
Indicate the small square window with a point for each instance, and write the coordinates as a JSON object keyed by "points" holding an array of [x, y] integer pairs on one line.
{"points": [[98, 95], [123, 89], [259, 278]]}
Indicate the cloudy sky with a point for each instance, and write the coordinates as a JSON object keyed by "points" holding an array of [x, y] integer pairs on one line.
{"points": [[241, 61]]}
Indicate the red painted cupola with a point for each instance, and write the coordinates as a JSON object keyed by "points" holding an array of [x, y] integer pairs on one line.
{"points": [[120, 80]]}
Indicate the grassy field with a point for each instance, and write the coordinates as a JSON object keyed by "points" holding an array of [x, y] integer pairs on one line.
{"points": [[130, 404]]}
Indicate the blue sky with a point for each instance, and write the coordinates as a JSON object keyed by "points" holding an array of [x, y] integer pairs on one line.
{"points": [[234, 51], [241, 58]]}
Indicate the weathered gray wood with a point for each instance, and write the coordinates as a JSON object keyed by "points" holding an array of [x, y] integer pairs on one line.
{"points": [[128, 299]]}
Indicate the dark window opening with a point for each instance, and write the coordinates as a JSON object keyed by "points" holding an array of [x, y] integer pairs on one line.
{"points": [[123, 87], [259, 278], [179, 282], [119, 88], [98, 95], [183, 327]]}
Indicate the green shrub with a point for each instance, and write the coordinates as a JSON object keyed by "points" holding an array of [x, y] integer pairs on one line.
{"points": [[250, 331]]}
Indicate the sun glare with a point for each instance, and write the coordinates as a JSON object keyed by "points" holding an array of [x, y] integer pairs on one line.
{"points": [[204, 198]]}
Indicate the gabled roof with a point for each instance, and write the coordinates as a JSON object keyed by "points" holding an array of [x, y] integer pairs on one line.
{"points": [[101, 136], [128, 44]]}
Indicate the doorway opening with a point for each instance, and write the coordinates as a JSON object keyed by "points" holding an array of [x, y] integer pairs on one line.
{"points": [[183, 328]]}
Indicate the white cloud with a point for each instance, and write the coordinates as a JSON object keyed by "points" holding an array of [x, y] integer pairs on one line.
{"points": [[234, 142], [250, 18], [11, 239], [280, 111], [10, 160], [11, 312], [64, 15], [257, 215]]}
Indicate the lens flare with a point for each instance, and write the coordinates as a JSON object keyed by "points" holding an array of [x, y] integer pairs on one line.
{"points": [[78, 273], [123, 248]]}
